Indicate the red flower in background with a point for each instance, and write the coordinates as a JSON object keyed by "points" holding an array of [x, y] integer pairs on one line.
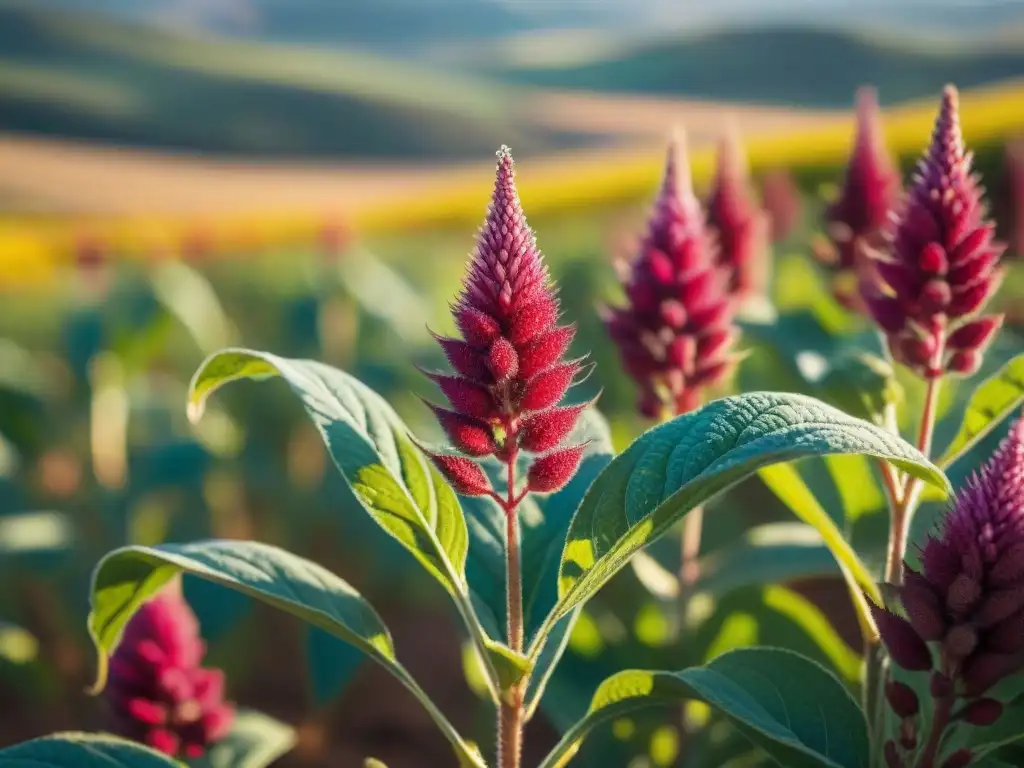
{"points": [[158, 691], [940, 267], [675, 334], [739, 224], [509, 365], [871, 189]]}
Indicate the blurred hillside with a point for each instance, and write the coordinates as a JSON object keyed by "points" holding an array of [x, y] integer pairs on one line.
{"points": [[388, 83], [77, 75], [786, 65]]}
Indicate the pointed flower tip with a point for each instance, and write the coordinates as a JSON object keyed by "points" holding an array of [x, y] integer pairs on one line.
{"points": [[677, 181]]}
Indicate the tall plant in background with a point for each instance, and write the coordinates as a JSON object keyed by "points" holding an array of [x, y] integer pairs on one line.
{"points": [[740, 225], [676, 334], [926, 285], [857, 220]]}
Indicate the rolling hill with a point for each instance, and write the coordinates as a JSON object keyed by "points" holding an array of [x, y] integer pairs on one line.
{"points": [[784, 65], [74, 75]]}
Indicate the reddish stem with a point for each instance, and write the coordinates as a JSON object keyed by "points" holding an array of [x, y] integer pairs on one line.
{"points": [[510, 710], [903, 511], [940, 719]]}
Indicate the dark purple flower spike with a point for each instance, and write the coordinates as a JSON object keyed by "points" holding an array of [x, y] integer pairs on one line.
{"points": [[509, 364], [158, 692], [965, 609], [739, 224], [871, 188], [926, 286], [675, 333]]}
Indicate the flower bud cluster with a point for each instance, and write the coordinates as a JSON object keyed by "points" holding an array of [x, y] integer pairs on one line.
{"points": [[675, 333], [509, 366], [926, 287]]}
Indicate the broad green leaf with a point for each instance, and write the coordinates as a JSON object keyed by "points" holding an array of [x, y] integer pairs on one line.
{"points": [[786, 483], [679, 465], [330, 662], [82, 750], [255, 741], [784, 703], [859, 492], [995, 399], [370, 445], [764, 554], [862, 385], [127, 577]]}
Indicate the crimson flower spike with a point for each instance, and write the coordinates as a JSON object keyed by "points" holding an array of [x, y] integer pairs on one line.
{"points": [[675, 334], [870, 191], [739, 223], [940, 266], [964, 612], [509, 365], [158, 692]]}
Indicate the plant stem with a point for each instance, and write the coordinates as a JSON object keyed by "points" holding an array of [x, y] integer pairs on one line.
{"points": [[510, 710], [689, 565], [940, 719], [903, 511]]}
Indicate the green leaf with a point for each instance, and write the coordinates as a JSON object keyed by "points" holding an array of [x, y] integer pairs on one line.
{"points": [[861, 384], [786, 704], [764, 554], [255, 741], [786, 483], [82, 750], [127, 577], [995, 399], [370, 445], [679, 465]]}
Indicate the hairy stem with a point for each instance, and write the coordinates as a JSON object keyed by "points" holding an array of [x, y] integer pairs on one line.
{"points": [[903, 510], [510, 710], [689, 561], [940, 719]]}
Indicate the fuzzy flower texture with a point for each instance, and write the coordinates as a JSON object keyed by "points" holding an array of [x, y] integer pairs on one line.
{"points": [[509, 365], [675, 334], [158, 691], [925, 288], [965, 609]]}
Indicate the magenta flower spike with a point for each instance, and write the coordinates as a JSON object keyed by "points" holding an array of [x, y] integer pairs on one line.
{"points": [[926, 286], [509, 365], [675, 334], [965, 608], [158, 691], [870, 192], [739, 224]]}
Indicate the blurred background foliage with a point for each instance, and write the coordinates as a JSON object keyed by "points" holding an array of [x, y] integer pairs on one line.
{"points": [[306, 178]]}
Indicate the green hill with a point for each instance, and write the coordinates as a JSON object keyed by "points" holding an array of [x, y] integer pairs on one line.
{"points": [[806, 66], [68, 74]]}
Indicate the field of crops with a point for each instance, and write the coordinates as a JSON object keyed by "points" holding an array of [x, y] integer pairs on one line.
{"points": [[813, 429]]}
